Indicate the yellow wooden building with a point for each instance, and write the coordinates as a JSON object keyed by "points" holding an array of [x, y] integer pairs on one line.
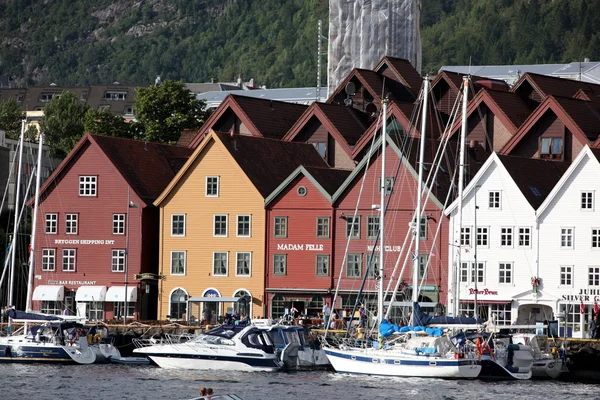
{"points": [[212, 225]]}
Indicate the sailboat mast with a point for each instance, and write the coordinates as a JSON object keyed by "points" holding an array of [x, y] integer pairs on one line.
{"points": [[11, 282], [417, 221], [382, 214], [34, 223], [461, 183]]}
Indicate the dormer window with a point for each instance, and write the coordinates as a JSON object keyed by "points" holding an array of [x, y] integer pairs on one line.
{"points": [[114, 96], [551, 147], [321, 147], [46, 97]]}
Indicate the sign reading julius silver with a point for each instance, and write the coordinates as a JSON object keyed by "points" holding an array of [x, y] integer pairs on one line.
{"points": [[83, 241]]}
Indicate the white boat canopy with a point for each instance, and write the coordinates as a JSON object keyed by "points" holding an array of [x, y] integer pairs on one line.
{"points": [[117, 294], [90, 293], [49, 293]]}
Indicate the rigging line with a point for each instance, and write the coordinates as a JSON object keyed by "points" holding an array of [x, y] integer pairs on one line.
{"points": [[366, 166]]}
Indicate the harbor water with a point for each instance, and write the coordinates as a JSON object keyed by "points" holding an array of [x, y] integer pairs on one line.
{"points": [[148, 383]]}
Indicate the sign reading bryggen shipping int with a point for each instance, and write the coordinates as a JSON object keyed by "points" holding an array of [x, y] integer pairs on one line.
{"points": [[83, 241]]}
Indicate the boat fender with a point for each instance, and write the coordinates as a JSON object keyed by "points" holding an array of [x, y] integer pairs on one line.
{"points": [[97, 338], [89, 339], [513, 346]]}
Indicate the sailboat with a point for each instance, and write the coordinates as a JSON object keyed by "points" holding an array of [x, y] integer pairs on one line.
{"points": [[52, 339], [410, 354]]}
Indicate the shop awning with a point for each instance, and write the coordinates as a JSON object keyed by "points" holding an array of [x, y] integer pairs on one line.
{"points": [[117, 294], [49, 293], [90, 293], [216, 299]]}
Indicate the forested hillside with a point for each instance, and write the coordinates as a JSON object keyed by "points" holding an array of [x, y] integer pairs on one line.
{"points": [[82, 42]]}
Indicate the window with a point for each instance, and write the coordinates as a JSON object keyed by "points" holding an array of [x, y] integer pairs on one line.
{"points": [[389, 184], [353, 227], [322, 265], [551, 147], [68, 260], [112, 96], [322, 227], [243, 226], [280, 227], [566, 275], [178, 263], [48, 259], [178, 225], [220, 228], [423, 229], [524, 237], [506, 237], [587, 200], [321, 147], [243, 264], [566, 238], [464, 272], [277, 306], [373, 265], [220, 261], [118, 224], [51, 307], [593, 276], [595, 238], [479, 272], [129, 111], [483, 236], [87, 185], [71, 224], [51, 223], [118, 261], [354, 265], [423, 265], [212, 186], [302, 191], [465, 236], [280, 264], [372, 226], [96, 310], [119, 309], [505, 273], [494, 199], [178, 308]]}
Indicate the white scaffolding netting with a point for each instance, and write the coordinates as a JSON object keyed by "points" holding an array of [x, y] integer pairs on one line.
{"points": [[361, 32]]}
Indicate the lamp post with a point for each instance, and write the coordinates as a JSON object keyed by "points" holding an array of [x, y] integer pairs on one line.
{"points": [[130, 204]]}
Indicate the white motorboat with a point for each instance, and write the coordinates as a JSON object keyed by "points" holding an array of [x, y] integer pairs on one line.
{"points": [[547, 363], [232, 348]]}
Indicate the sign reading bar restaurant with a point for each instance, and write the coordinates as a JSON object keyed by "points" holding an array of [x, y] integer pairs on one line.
{"points": [[307, 246], [485, 292], [83, 241], [86, 283]]}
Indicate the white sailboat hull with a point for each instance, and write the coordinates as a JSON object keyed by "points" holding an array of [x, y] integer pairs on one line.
{"points": [[208, 364], [381, 362]]}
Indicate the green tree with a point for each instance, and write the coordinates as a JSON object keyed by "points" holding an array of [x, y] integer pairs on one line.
{"points": [[166, 110], [106, 123], [11, 115], [63, 123]]}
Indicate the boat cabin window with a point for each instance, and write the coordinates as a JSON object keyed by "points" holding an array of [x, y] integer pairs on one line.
{"points": [[276, 338], [259, 340]]}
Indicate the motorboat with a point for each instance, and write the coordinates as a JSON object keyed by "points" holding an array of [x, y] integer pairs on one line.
{"points": [[293, 346], [227, 347], [219, 397], [98, 340], [548, 363]]}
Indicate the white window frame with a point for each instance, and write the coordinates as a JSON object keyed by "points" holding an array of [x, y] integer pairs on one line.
{"points": [[567, 237], [507, 236], [464, 272], [465, 236], [226, 263], [118, 224], [485, 234], [237, 230], [595, 238], [493, 202], [474, 272], [117, 263], [505, 272], [565, 275], [587, 200], [525, 235], [88, 186], [48, 259], [173, 222], [51, 224], [184, 253], [237, 263], [217, 183], [593, 275], [215, 225], [70, 257], [71, 224]]}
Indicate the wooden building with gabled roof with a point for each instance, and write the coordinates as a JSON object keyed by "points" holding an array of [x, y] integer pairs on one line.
{"points": [[97, 228], [250, 116], [536, 87]]}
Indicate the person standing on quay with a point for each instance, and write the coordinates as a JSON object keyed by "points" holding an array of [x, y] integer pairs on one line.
{"points": [[326, 314]]}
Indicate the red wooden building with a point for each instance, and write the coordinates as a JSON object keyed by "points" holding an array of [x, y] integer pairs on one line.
{"points": [[97, 221]]}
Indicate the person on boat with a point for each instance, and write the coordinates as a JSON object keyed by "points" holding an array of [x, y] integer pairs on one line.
{"points": [[203, 391], [294, 311], [209, 394], [326, 314], [362, 315]]}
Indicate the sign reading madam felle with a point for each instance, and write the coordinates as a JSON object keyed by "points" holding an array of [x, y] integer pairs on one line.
{"points": [[585, 295], [293, 246]]}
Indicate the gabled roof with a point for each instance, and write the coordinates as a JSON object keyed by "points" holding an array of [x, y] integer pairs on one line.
{"points": [[345, 123], [509, 107], [404, 71], [371, 81], [581, 117], [266, 162], [585, 152], [455, 80], [551, 86], [186, 137], [326, 180], [146, 167], [263, 118]]}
